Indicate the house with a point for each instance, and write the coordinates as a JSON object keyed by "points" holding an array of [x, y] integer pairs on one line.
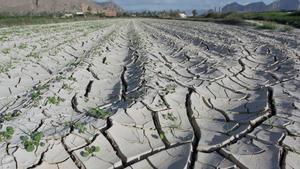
{"points": [[79, 13], [182, 15]]}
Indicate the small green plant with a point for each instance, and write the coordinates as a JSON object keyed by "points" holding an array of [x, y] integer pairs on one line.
{"points": [[33, 55], [170, 88], [162, 136], [7, 134], [89, 151], [6, 51], [6, 67], [59, 78], [72, 79], [98, 113], [169, 116], [66, 87], [76, 125], [160, 104], [33, 141], [22, 46], [36, 95], [55, 100], [43, 87], [10, 116]]}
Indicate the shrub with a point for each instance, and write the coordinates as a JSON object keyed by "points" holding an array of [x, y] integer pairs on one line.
{"points": [[267, 25]]}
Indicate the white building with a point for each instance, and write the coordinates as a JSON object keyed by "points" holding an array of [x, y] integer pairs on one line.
{"points": [[80, 13], [182, 15]]}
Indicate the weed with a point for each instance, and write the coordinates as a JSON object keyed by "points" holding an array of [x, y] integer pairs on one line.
{"points": [[162, 136], [36, 95], [98, 113], [59, 78], [55, 100], [6, 67], [33, 55], [160, 104], [170, 88], [22, 46], [72, 79], [43, 87], [7, 134], [33, 141], [66, 87], [89, 151], [6, 51], [10, 116], [76, 125], [169, 116]]}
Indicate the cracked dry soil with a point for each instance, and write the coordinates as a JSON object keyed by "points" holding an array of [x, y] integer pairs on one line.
{"points": [[155, 94]]}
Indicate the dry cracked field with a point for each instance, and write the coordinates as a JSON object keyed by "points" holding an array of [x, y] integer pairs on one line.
{"points": [[155, 94]]}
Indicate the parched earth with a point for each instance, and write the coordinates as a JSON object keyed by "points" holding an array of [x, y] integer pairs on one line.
{"points": [[155, 94]]}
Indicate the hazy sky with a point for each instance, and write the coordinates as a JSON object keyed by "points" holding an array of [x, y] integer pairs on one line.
{"points": [[177, 4]]}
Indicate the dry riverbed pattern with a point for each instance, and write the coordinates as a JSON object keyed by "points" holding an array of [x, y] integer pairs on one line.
{"points": [[148, 94]]}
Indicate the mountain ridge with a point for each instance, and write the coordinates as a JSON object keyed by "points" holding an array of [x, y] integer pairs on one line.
{"points": [[288, 5], [22, 7]]}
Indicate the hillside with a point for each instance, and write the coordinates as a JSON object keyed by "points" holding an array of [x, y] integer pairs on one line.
{"points": [[261, 6], [54, 6]]}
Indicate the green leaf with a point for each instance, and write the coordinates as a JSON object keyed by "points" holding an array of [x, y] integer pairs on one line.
{"points": [[37, 136], [24, 138], [97, 149], [10, 130], [84, 154], [29, 147]]}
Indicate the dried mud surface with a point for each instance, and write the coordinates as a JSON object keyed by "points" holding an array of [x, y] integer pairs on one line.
{"points": [[151, 94]]}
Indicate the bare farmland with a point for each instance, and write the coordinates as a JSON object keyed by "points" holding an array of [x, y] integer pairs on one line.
{"points": [[140, 94]]}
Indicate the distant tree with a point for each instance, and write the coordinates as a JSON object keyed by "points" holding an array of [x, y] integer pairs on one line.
{"points": [[89, 9], [195, 13]]}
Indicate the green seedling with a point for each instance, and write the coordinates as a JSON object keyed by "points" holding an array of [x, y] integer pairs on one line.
{"points": [[7, 134], [77, 125], [59, 78], [33, 55], [10, 116], [89, 151], [72, 79], [66, 87], [6, 51], [98, 113], [169, 116], [55, 100], [33, 141], [22, 46], [162, 136], [43, 87], [36, 95], [5, 68], [170, 88]]}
